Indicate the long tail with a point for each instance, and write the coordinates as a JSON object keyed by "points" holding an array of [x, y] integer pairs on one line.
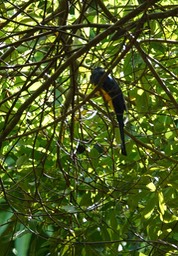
{"points": [[121, 128]]}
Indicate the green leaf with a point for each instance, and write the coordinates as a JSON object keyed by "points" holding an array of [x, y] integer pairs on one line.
{"points": [[162, 205]]}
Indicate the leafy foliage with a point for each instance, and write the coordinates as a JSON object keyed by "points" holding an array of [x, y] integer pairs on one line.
{"points": [[65, 187]]}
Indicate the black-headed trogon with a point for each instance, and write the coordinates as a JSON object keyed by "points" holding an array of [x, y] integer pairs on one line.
{"points": [[113, 95]]}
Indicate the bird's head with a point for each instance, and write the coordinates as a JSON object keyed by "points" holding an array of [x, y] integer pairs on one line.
{"points": [[96, 74]]}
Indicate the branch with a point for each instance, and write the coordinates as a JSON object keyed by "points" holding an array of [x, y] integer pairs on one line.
{"points": [[159, 80]]}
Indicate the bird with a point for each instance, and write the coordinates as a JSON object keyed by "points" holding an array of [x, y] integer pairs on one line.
{"points": [[113, 95]]}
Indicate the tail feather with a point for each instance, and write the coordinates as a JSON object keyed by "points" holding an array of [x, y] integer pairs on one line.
{"points": [[121, 128]]}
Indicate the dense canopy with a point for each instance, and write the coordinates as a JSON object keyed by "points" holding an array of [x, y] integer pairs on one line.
{"points": [[66, 189]]}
